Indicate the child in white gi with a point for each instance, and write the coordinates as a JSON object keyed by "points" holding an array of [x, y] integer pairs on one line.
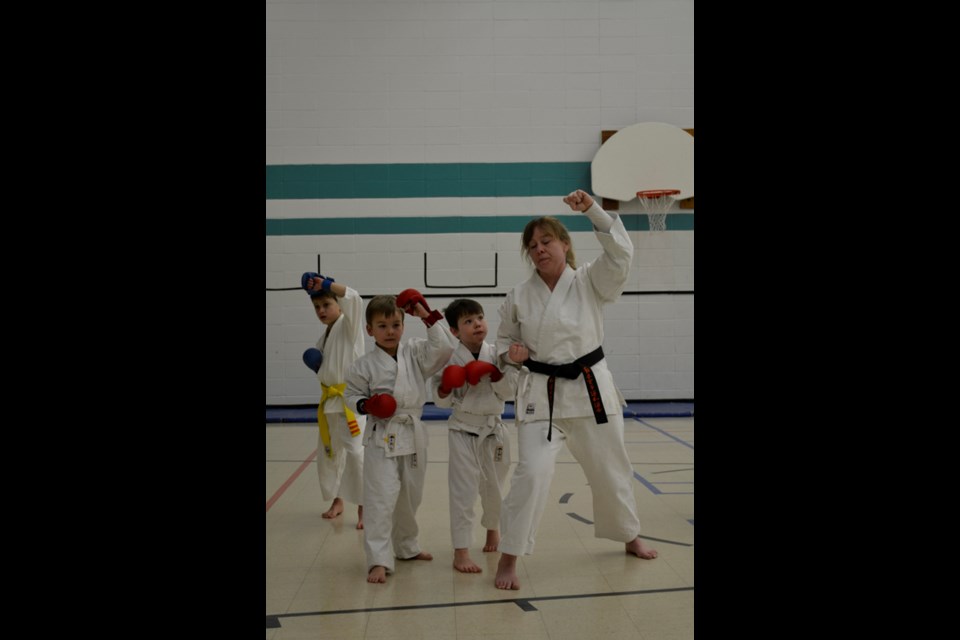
{"points": [[340, 443], [390, 385], [479, 450]]}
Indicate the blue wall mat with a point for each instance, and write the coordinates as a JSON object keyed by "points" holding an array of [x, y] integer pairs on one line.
{"points": [[635, 409]]}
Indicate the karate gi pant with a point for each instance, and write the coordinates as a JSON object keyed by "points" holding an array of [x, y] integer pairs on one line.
{"points": [[342, 475], [474, 469], [392, 491], [600, 450]]}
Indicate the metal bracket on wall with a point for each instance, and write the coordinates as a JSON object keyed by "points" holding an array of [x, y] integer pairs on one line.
{"points": [[319, 270], [496, 272]]}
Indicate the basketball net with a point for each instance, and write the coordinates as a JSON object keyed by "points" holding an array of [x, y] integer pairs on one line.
{"points": [[655, 204]]}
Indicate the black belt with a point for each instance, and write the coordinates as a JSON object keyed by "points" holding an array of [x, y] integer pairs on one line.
{"points": [[571, 372]]}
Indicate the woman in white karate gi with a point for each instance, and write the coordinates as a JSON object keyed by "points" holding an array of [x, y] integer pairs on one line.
{"points": [[565, 391]]}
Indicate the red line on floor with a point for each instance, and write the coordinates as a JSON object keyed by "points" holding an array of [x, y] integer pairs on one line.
{"points": [[290, 480]]}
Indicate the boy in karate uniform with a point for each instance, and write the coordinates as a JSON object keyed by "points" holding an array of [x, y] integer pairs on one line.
{"points": [[340, 446], [476, 389], [389, 385]]}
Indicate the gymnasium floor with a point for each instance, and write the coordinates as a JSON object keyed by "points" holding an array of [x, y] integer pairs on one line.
{"points": [[574, 586]]}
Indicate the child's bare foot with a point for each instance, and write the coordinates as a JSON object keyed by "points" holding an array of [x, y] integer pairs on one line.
{"points": [[335, 509], [463, 563], [377, 574], [493, 540], [637, 548], [423, 555], [360, 517], [507, 572]]}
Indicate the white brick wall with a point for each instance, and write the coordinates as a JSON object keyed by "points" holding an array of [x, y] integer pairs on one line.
{"points": [[448, 81], [353, 80]]}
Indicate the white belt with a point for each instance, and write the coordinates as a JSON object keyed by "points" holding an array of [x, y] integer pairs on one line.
{"points": [[474, 420]]}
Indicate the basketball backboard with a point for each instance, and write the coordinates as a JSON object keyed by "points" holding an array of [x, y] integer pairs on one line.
{"points": [[644, 156]]}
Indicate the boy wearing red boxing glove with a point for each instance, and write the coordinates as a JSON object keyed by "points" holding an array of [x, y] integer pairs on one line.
{"points": [[389, 386], [479, 450]]}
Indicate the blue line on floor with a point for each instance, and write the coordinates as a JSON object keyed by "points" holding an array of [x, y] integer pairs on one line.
{"points": [[652, 488], [584, 520], [672, 437], [679, 544]]}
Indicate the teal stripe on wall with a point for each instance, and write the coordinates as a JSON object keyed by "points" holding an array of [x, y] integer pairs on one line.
{"points": [[449, 224], [466, 180]]}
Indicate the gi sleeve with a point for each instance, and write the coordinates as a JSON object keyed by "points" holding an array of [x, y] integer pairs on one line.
{"points": [[358, 384], [508, 332], [436, 351], [608, 273]]}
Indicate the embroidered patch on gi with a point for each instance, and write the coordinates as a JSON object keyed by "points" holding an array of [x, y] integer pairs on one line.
{"points": [[414, 464], [498, 456], [392, 441], [531, 408]]}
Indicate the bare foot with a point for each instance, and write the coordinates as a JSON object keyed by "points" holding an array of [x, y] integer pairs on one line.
{"points": [[423, 555], [463, 563], [377, 574], [360, 517], [507, 572], [637, 548], [493, 540], [335, 509]]}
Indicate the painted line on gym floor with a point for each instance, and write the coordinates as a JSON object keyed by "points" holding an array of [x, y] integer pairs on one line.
{"points": [[273, 621], [679, 544], [672, 437], [575, 516], [290, 480], [653, 489], [665, 541], [580, 518], [656, 491]]}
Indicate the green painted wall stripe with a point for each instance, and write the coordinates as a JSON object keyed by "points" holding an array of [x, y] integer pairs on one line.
{"points": [[448, 224], [467, 180]]}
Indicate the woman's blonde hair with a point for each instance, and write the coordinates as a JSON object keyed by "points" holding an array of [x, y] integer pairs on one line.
{"points": [[552, 226]]}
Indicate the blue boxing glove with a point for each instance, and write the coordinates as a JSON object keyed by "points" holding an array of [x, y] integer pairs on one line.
{"points": [[324, 285], [305, 280], [313, 358]]}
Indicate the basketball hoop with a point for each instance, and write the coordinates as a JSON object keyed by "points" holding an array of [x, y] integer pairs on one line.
{"points": [[655, 203]]}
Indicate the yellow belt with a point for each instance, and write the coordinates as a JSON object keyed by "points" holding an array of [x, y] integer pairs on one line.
{"points": [[328, 392]]}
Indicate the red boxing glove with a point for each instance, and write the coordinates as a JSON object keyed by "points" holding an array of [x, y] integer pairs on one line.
{"points": [[478, 368], [454, 377], [408, 299], [381, 405]]}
